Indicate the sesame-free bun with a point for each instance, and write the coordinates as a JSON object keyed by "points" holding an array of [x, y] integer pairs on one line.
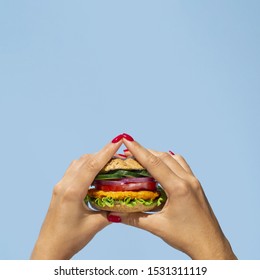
{"points": [[125, 164], [118, 207]]}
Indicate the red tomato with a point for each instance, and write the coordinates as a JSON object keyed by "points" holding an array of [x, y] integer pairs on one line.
{"points": [[119, 186]]}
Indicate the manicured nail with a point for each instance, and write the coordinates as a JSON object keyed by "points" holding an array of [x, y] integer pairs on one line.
{"points": [[122, 155], [126, 150], [128, 137], [114, 219], [172, 153], [118, 138]]}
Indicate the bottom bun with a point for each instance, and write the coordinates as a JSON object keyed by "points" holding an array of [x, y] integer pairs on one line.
{"points": [[118, 207]]}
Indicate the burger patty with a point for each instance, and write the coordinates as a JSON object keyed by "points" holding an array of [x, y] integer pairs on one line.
{"points": [[146, 195]]}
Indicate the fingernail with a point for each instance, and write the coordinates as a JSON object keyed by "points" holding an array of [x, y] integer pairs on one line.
{"points": [[114, 219], [122, 155], [126, 150], [172, 153], [128, 137], [118, 138]]}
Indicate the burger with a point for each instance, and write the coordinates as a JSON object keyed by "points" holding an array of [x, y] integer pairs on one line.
{"points": [[124, 185]]}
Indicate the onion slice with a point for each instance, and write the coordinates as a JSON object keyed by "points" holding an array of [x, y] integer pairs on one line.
{"points": [[123, 181]]}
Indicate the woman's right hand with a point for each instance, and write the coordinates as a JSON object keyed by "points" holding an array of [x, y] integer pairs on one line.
{"points": [[186, 221]]}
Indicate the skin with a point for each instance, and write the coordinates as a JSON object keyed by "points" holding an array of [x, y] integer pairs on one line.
{"points": [[186, 221], [69, 225]]}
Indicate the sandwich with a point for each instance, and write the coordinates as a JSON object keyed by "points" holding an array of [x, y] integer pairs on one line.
{"points": [[124, 185]]}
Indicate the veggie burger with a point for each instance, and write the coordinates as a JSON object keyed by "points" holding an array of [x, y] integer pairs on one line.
{"points": [[124, 185]]}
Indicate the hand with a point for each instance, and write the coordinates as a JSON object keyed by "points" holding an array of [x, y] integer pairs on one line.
{"points": [[186, 221], [69, 225]]}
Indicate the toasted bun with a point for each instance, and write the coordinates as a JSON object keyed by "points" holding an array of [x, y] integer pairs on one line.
{"points": [[124, 208], [125, 164]]}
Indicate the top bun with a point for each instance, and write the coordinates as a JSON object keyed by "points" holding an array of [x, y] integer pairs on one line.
{"points": [[125, 164]]}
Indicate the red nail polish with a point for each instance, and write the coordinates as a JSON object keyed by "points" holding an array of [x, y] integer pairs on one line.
{"points": [[114, 219], [172, 153], [122, 155], [118, 138], [126, 150], [128, 137]]}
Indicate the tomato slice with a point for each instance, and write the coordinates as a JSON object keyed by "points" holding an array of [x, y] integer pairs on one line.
{"points": [[129, 186]]}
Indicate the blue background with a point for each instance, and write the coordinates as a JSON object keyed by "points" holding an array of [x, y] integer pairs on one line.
{"points": [[179, 75]]}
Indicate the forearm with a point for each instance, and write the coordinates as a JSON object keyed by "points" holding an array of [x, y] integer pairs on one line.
{"points": [[218, 250], [43, 251]]}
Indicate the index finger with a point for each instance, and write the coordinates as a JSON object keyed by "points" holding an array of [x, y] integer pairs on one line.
{"points": [[82, 172], [155, 166]]}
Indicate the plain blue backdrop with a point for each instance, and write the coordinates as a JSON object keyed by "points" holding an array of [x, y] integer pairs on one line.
{"points": [[179, 75]]}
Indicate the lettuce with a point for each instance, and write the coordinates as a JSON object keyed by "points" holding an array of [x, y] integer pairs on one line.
{"points": [[110, 202], [118, 174], [128, 201]]}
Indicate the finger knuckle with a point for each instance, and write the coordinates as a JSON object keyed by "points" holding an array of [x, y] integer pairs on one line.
{"points": [[164, 156], [153, 160], [69, 194], [195, 183], [57, 190], [93, 164], [184, 188]]}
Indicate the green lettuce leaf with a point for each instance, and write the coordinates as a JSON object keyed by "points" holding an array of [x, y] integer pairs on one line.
{"points": [[128, 201]]}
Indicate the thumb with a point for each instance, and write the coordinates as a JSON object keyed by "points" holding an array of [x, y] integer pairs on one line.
{"points": [[139, 220]]}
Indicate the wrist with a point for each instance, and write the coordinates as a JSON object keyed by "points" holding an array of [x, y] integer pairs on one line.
{"points": [[220, 250], [44, 251]]}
